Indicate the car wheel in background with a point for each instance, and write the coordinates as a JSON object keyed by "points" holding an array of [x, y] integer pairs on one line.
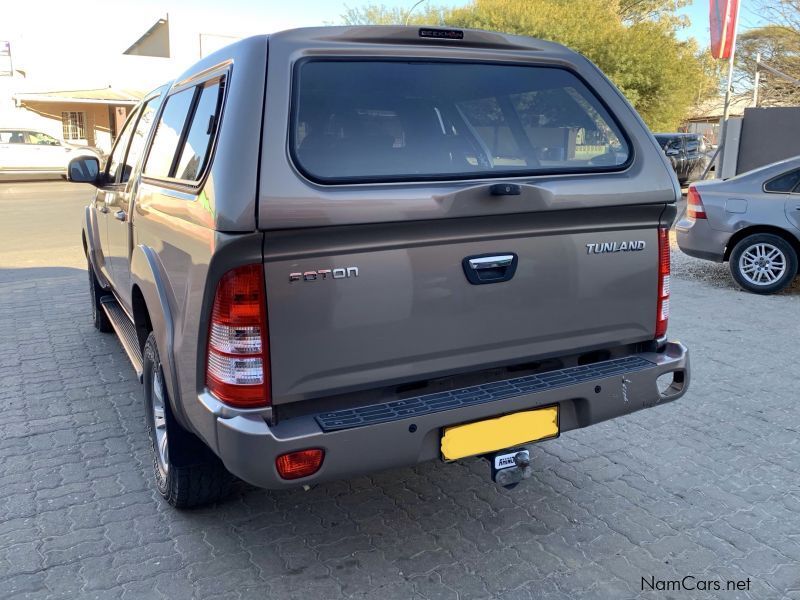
{"points": [[99, 316], [187, 473], [763, 263]]}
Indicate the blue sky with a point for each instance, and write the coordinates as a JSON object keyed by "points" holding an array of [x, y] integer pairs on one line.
{"points": [[34, 38], [285, 13]]}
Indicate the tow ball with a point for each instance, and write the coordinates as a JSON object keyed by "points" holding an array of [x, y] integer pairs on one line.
{"points": [[511, 467]]}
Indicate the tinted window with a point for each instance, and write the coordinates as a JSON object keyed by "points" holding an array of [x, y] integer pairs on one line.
{"points": [[139, 137], [676, 145], [784, 183], [12, 137], [198, 142], [663, 141], [380, 120], [167, 137], [121, 147]]}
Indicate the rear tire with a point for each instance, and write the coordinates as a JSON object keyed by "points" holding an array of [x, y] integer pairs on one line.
{"points": [[99, 316], [187, 473], [763, 263]]}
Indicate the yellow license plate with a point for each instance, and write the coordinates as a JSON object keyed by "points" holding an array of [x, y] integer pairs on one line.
{"points": [[499, 433]]}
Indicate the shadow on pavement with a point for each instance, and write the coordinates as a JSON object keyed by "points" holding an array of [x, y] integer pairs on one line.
{"points": [[13, 274]]}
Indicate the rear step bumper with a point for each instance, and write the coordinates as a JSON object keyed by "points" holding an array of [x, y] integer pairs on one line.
{"points": [[407, 432]]}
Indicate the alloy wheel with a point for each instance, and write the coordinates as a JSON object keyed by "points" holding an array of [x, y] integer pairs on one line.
{"points": [[762, 264]]}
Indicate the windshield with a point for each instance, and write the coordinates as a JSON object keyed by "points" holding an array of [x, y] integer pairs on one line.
{"points": [[392, 120]]}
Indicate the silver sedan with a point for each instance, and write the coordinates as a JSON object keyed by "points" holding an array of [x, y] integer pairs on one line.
{"points": [[752, 221]]}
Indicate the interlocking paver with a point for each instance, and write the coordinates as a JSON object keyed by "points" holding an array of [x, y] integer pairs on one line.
{"points": [[708, 486]]}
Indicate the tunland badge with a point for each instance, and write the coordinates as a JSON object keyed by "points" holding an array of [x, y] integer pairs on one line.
{"points": [[631, 246], [341, 273]]}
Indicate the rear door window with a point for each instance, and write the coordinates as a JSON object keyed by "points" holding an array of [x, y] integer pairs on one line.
{"points": [[783, 184], [413, 120], [168, 135], [12, 137]]}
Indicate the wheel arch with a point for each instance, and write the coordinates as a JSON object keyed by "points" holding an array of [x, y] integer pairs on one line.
{"points": [[793, 241], [152, 312]]}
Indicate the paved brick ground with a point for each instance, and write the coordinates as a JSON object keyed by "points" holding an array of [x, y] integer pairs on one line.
{"points": [[707, 486]]}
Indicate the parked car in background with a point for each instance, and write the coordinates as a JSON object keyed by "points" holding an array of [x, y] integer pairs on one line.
{"points": [[752, 221], [382, 262], [27, 151], [688, 153]]}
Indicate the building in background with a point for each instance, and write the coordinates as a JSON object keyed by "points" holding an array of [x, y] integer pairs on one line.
{"points": [[85, 98], [706, 118], [84, 117]]}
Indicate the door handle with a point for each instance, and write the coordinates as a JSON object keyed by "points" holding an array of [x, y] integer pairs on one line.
{"points": [[489, 268], [500, 261], [120, 215]]}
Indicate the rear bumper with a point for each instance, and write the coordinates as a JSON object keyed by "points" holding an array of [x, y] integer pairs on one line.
{"points": [[248, 446], [697, 238]]}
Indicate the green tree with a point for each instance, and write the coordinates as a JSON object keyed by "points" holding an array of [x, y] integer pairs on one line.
{"points": [[380, 14], [634, 44], [636, 11]]}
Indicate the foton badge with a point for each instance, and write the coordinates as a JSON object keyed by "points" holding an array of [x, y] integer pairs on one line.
{"points": [[340, 273]]}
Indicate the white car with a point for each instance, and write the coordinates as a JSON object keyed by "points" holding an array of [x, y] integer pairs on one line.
{"points": [[28, 151]]}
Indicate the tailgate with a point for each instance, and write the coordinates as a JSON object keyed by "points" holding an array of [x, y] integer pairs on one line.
{"points": [[366, 306], [388, 162]]}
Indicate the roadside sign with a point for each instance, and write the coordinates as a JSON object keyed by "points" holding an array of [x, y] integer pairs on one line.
{"points": [[722, 17]]}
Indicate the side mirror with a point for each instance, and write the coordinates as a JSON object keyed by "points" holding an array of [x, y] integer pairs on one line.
{"points": [[83, 169]]}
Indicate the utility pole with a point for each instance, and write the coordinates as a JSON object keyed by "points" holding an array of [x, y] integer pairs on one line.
{"points": [[726, 111], [756, 79]]}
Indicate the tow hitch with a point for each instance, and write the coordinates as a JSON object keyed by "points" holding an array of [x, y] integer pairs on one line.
{"points": [[511, 467]]}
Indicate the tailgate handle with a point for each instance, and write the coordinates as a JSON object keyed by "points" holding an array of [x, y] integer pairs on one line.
{"points": [[490, 268], [491, 262]]}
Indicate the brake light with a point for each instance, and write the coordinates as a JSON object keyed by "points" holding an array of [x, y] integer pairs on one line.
{"points": [[237, 368], [694, 204], [662, 311], [301, 463]]}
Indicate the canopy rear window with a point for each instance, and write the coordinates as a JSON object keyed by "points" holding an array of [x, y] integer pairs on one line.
{"points": [[355, 121]]}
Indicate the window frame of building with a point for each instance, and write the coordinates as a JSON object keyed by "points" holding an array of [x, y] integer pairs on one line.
{"points": [[73, 130]]}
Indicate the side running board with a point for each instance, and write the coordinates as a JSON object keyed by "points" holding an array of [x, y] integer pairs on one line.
{"points": [[126, 332]]}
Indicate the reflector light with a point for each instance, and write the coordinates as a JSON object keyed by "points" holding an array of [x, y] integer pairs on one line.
{"points": [[694, 204], [237, 367], [662, 310], [300, 463]]}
